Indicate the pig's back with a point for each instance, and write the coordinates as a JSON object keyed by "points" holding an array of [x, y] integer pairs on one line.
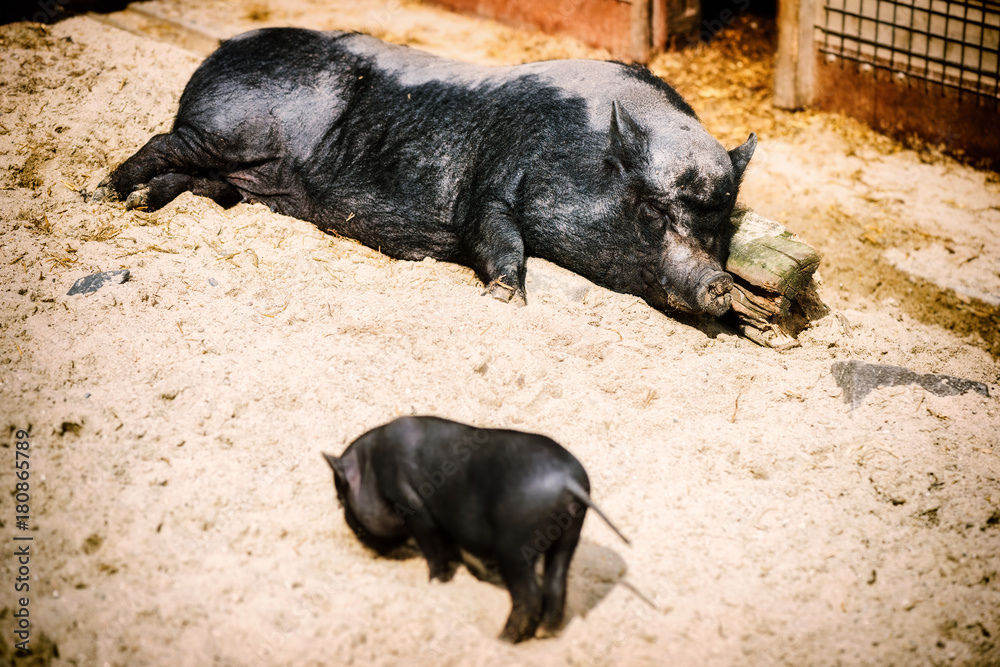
{"points": [[273, 88]]}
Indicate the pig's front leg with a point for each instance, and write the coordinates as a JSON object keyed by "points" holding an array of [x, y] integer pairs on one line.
{"points": [[166, 166], [497, 250], [152, 159], [163, 189]]}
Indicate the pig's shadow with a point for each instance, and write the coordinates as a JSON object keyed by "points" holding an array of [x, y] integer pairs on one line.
{"points": [[709, 326]]}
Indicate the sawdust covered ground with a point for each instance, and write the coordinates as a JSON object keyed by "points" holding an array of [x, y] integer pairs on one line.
{"points": [[181, 512]]}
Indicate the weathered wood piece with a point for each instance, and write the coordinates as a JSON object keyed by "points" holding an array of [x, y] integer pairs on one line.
{"points": [[774, 295], [764, 254]]}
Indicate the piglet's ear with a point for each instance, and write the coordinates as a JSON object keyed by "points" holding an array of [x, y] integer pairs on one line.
{"points": [[345, 468], [334, 463], [741, 155], [627, 141]]}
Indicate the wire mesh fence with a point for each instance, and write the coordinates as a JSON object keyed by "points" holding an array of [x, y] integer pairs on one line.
{"points": [[954, 43]]}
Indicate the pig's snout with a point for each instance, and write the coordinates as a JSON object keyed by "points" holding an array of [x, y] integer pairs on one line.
{"points": [[704, 289], [713, 295]]}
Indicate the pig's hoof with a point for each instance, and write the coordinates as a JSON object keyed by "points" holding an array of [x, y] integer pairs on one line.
{"points": [[101, 195], [137, 199], [501, 291]]}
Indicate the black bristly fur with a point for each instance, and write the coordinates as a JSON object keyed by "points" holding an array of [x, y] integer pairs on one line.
{"points": [[506, 497], [420, 157]]}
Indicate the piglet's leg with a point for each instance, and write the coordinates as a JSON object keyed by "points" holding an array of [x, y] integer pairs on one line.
{"points": [[439, 551], [526, 598], [557, 561]]}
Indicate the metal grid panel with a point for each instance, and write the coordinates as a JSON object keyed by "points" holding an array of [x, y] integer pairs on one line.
{"points": [[955, 43]]}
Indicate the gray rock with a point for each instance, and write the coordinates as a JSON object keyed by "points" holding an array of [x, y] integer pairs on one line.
{"points": [[859, 379], [96, 281]]}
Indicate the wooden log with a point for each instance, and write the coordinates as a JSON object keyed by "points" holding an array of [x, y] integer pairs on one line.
{"points": [[769, 337], [765, 255], [774, 292], [757, 307]]}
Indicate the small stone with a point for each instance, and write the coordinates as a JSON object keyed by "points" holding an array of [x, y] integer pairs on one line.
{"points": [[859, 379], [96, 281], [213, 282]]}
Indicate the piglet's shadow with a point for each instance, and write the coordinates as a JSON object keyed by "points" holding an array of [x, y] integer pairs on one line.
{"points": [[594, 571]]}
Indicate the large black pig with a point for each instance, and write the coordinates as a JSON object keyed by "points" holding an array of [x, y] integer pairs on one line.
{"points": [[597, 166], [503, 496]]}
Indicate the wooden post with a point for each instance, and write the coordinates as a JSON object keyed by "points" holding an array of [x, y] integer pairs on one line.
{"points": [[659, 25], [793, 75], [641, 30]]}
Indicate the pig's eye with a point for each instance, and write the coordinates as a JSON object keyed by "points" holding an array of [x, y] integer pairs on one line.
{"points": [[650, 214]]}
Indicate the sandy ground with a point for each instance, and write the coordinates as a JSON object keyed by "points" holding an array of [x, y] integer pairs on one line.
{"points": [[181, 513]]}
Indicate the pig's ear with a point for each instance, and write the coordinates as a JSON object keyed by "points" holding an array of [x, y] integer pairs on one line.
{"points": [[345, 468], [627, 141], [741, 155]]}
